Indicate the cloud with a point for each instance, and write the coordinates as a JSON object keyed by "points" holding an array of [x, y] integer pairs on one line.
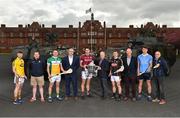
{"points": [[65, 12]]}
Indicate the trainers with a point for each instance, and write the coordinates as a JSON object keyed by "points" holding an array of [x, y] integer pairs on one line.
{"points": [[50, 100], [20, 101], [89, 95], [32, 100], [156, 100], [75, 98], [42, 100], [133, 99], [126, 99], [139, 97], [162, 102], [16, 102], [118, 98], [66, 98], [82, 97], [59, 98], [149, 98], [113, 97]]}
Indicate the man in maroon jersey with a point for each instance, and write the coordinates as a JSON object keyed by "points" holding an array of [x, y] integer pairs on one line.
{"points": [[85, 60]]}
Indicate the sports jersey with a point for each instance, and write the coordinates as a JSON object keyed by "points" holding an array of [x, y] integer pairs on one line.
{"points": [[115, 65], [18, 64], [144, 62], [55, 65], [86, 59]]}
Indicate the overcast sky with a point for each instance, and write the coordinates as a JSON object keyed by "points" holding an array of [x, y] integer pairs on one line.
{"points": [[65, 12]]}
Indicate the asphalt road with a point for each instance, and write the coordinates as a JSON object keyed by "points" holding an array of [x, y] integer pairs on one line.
{"points": [[89, 107]]}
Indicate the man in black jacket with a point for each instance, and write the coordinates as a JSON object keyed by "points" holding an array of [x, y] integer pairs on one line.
{"points": [[103, 72], [160, 69], [130, 67], [37, 67]]}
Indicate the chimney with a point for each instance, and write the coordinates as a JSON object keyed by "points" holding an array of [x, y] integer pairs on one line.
{"points": [[142, 26], [3, 25], [164, 26], [131, 26], [20, 26], [156, 25], [53, 26], [113, 26], [70, 26], [43, 25], [104, 24], [79, 24]]}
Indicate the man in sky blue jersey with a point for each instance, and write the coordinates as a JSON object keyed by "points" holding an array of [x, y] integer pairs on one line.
{"points": [[144, 72]]}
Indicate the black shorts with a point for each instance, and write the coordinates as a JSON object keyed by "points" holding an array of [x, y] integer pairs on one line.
{"points": [[145, 76]]}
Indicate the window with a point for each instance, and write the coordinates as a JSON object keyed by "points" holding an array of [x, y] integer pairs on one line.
{"points": [[11, 34], [36, 34], [20, 34], [84, 41], [93, 41], [100, 41], [138, 34], [100, 33], [65, 35], [74, 35], [2, 35], [92, 33], [110, 35], [83, 34], [119, 35], [128, 35], [164, 34]]}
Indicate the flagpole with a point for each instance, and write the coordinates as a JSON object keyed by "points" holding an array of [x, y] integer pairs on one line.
{"points": [[91, 31], [90, 11]]}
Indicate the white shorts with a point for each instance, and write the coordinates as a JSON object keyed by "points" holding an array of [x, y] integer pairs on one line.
{"points": [[18, 80], [55, 79], [85, 75], [115, 78]]}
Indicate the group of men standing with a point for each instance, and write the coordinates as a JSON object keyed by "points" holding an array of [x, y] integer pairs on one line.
{"points": [[128, 68]]}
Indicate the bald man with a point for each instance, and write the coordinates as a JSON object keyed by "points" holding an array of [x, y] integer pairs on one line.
{"points": [[160, 69], [130, 67]]}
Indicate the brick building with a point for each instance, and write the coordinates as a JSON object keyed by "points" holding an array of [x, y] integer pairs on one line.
{"points": [[80, 37]]}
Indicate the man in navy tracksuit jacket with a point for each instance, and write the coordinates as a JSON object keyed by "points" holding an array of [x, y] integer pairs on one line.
{"points": [[160, 69]]}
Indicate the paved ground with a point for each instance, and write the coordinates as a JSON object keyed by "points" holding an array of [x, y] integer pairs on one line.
{"points": [[89, 107]]}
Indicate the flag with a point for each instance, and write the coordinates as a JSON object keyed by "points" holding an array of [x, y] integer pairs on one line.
{"points": [[88, 11]]}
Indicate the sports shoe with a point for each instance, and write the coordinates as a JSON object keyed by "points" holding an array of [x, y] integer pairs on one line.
{"points": [[149, 98], [126, 99], [89, 95], [156, 100], [16, 102], [42, 100], [82, 97], [59, 98], [118, 98], [133, 99], [162, 102], [32, 100], [139, 97], [20, 101], [50, 100], [113, 97]]}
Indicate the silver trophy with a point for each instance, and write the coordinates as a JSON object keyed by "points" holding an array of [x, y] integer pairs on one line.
{"points": [[92, 69]]}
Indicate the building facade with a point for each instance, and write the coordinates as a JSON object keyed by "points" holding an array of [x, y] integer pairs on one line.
{"points": [[92, 33]]}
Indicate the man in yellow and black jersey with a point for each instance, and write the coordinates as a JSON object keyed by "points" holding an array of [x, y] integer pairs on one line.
{"points": [[19, 76]]}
